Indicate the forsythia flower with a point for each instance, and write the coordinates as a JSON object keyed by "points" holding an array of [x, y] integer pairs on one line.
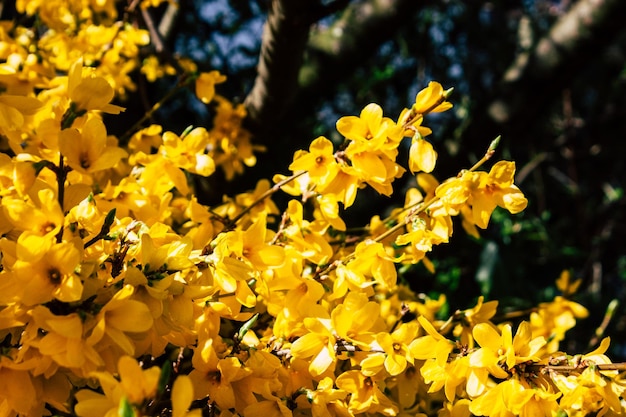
{"points": [[499, 354], [90, 92], [431, 99], [319, 345], [45, 270], [205, 85], [88, 150], [135, 385], [123, 293], [319, 162]]}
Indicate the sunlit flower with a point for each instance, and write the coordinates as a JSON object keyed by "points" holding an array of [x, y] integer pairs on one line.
{"points": [[182, 397], [90, 150], [89, 92], [46, 270], [366, 395], [120, 316], [135, 386], [318, 344], [500, 353], [319, 161], [494, 189], [431, 99], [213, 377]]}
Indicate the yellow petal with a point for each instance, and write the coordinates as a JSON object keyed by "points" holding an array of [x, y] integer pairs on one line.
{"points": [[322, 361], [130, 316], [352, 127], [487, 336], [422, 156], [395, 364], [92, 93], [306, 346], [205, 85], [182, 396]]}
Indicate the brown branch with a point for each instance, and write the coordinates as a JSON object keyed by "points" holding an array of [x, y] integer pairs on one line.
{"points": [[335, 51], [285, 36], [567, 369], [539, 73], [575, 37]]}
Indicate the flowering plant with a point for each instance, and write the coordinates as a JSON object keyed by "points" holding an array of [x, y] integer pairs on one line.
{"points": [[122, 294]]}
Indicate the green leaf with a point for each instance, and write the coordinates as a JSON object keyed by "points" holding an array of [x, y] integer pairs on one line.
{"points": [[164, 378], [125, 409], [246, 326], [108, 221]]}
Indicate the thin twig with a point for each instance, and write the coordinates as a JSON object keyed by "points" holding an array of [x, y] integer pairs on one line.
{"points": [[263, 196], [608, 315]]}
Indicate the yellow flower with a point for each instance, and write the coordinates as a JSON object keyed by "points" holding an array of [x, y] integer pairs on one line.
{"points": [[119, 316], [63, 341], [324, 397], [354, 319], [153, 69], [45, 270], [182, 397], [372, 260], [146, 139], [306, 237], [252, 245], [189, 152], [160, 257], [90, 92], [431, 346], [431, 99], [369, 126], [318, 344], [268, 408], [481, 313], [44, 214], [16, 174], [23, 394], [205, 85], [136, 386], [366, 395], [265, 207], [327, 210], [89, 150], [13, 108], [553, 319], [591, 391], [457, 409], [213, 377], [231, 146], [422, 156], [494, 189], [451, 375], [319, 161], [500, 353], [504, 400], [396, 346]]}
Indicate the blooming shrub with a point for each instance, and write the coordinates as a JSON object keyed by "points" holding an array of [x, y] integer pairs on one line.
{"points": [[121, 294]]}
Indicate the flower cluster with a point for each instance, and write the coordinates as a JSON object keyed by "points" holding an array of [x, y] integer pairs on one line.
{"points": [[122, 294]]}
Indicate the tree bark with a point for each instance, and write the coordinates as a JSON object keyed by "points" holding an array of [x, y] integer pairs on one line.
{"points": [[335, 51], [285, 37], [331, 53], [588, 27]]}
